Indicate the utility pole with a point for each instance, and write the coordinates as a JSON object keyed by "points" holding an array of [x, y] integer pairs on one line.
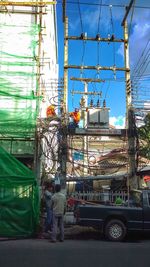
{"points": [[133, 182], [65, 21], [112, 68], [97, 68], [86, 93], [127, 12], [64, 109], [85, 172]]}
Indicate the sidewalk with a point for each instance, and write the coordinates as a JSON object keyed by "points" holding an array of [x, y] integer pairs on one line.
{"points": [[72, 231], [75, 232]]}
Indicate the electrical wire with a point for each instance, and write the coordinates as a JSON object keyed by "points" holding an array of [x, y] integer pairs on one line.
{"points": [[80, 17], [133, 6], [139, 62], [104, 5], [98, 31], [113, 32], [107, 89], [84, 42], [99, 16]]}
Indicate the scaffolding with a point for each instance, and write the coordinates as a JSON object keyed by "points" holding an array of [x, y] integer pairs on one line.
{"points": [[23, 86], [24, 90], [27, 3]]}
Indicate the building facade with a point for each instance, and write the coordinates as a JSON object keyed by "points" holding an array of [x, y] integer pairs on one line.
{"points": [[28, 77]]}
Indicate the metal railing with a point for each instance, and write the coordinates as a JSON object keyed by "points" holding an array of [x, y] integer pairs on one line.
{"points": [[99, 196]]}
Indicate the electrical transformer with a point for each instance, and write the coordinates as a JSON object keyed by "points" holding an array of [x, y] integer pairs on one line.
{"points": [[98, 118]]}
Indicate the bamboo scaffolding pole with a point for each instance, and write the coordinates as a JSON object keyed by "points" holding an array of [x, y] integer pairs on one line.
{"points": [[18, 3], [22, 12]]}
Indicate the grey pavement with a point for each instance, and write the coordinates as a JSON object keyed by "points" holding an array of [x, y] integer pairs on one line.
{"points": [[86, 251]]}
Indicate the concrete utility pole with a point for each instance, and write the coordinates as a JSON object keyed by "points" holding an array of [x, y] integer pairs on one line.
{"points": [[86, 93], [133, 182], [65, 64], [63, 126], [85, 172], [127, 12], [65, 21], [98, 68]]}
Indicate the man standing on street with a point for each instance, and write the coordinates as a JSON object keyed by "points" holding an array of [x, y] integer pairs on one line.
{"points": [[48, 205], [59, 208]]}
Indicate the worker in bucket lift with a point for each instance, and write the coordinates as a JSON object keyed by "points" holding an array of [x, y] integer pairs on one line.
{"points": [[75, 115]]}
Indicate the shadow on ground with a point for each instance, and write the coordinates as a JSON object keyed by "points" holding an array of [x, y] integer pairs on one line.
{"points": [[79, 232], [76, 232], [87, 233]]}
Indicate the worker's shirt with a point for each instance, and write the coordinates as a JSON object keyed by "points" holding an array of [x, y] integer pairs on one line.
{"points": [[76, 116], [59, 203], [50, 111], [48, 198]]}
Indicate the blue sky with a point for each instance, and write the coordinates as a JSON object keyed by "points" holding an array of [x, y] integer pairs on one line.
{"points": [[104, 54]]}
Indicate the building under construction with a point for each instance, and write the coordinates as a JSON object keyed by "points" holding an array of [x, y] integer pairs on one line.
{"points": [[28, 86]]}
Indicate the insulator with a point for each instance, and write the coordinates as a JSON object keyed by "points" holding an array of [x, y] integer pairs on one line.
{"points": [[91, 103], [82, 36], [112, 37], [98, 37], [98, 103], [104, 103], [82, 102]]}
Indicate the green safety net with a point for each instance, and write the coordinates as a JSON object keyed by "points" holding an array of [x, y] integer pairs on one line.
{"points": [[19, 198], [19, 108], [19, 100]]}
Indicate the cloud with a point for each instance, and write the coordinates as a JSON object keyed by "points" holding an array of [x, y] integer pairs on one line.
{"points": [[118, 122], [138, 41], [92, 20], [121, 50], [139, 25], [139, 32], [139, 29]]}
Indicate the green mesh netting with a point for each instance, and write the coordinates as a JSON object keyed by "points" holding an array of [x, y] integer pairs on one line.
{"points": [[19, 103], [19, 198]]}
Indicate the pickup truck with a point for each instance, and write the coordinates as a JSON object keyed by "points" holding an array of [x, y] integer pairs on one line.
{"points": [[114, 221]]}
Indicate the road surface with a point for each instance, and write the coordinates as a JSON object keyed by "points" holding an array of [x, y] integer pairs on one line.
{"points": [[83, 252]]}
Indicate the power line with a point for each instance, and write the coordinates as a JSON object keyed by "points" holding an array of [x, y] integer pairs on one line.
{"points": [[83, 51], [132, 16], [139, 62], [99, 17], [113, 31], [80, 16], [103, 5], [98, 44]]}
